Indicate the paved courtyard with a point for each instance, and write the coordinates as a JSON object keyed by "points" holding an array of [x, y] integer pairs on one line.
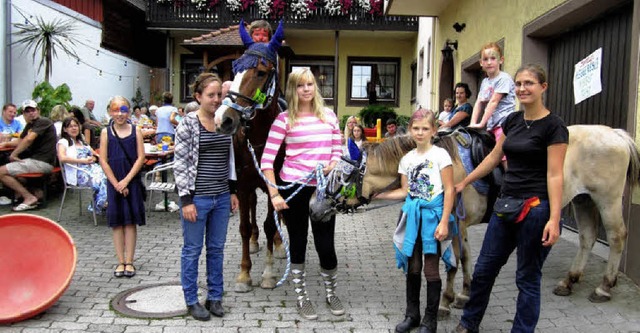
{"points": [[370, 286]]}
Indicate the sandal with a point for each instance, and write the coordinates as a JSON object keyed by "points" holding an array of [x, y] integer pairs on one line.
{"points": [[118, 273], [129, 273], [23, 206]]}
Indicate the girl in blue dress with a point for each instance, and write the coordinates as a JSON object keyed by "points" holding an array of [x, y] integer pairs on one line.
{"points": [[121, 158]]}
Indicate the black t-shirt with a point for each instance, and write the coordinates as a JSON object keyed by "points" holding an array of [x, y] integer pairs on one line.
{"points": [[526, 151], [43, 147]]}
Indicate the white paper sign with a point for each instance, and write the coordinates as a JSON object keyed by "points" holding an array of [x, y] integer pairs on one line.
{"points": [[586, 76]]}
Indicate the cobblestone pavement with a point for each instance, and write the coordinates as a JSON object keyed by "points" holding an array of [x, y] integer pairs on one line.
{"points": [[370, 286]]}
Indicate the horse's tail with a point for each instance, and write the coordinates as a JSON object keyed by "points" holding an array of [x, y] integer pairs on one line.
{"points": [[633, 172]]}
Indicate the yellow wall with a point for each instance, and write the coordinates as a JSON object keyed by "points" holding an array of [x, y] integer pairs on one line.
{"points": [[376, 46], [505, 21]]}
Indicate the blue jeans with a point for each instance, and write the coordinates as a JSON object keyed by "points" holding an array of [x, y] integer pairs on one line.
{"points": [[499, 242], [211, 224]]}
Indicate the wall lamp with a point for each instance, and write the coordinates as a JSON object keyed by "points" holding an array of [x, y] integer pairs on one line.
{"points": [[452, 43]]}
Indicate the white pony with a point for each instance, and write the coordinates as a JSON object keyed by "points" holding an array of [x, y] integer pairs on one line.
{"points": [[599, 162]]}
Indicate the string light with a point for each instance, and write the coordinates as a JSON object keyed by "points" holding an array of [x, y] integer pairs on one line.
{"points": [[101, 72]]}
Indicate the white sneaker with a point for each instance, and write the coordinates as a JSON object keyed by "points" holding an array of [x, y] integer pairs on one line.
{"points": [[173, 207], [4, 200], [160, 206]]}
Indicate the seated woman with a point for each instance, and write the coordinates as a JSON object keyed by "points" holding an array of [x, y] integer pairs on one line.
{"points": [[73, 150], [461, 114], [58, 113], [357, 136]]}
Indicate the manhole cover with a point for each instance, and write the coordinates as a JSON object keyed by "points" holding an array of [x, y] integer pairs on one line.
{"points": [[152, 301]]}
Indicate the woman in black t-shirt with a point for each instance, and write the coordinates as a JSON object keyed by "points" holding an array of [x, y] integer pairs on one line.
{"points": [[535, 142]]}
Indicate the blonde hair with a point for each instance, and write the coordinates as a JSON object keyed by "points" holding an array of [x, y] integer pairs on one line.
{"points": [[58, 113], [291, 94], [347, 131]]}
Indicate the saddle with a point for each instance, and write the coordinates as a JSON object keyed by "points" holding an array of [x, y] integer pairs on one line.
{"points": [[479, 142]]}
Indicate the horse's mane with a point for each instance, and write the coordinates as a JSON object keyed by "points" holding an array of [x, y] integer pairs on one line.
{"points": [[449, 144], [389, 152]]}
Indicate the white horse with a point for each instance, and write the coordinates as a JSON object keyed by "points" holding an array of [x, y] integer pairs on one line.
{"points": [[599, 162]]}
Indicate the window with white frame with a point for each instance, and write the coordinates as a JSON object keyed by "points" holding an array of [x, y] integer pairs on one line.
{"points": [[373, 80]]}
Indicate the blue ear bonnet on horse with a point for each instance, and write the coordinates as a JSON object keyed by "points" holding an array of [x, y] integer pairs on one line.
{"points": [[257, 51]]}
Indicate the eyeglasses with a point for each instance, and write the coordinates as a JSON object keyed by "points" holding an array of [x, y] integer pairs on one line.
{"points": [[29, 110], [526, 84]]}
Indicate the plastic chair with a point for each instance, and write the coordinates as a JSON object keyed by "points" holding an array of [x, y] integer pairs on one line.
{"points": [[68, 186], [162, 186], [41, 179]]}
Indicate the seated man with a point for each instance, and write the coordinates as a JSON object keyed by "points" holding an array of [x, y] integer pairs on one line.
{"points": [[393, 129], [35, 151], [8, 124]]}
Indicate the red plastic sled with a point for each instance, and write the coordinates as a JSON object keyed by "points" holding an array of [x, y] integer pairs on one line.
{"points": [[38, 260]]}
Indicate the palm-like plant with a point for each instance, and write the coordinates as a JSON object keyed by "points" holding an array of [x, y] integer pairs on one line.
{"points": [[45, 38]]}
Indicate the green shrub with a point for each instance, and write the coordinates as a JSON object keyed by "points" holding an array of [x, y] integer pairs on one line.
{"points": [[371, 113], [47, 97]]}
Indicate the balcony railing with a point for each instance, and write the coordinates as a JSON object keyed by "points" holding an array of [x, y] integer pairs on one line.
{"points": [[187, 16]]}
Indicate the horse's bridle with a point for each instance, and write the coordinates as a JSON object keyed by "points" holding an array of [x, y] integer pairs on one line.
{"points": [[260, 100], [354, 178]]}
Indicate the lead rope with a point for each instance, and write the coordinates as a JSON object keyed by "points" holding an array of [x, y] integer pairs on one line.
{"points": [[303, 181]]}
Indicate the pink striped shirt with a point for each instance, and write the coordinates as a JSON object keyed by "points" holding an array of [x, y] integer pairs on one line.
{"points": [[308, 143]]}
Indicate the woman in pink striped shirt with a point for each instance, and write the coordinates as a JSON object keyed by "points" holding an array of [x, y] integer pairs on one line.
{"points": [[312, 136]]}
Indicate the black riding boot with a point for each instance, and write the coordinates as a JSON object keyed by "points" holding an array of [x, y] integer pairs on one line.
{"points": [[412, 315], [430, 320]]}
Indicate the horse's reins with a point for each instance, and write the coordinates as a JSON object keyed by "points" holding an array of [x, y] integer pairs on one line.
{"points": [[302, 182]]}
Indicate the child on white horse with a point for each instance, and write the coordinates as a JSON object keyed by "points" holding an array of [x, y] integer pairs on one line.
{"points": [[426, 176]]}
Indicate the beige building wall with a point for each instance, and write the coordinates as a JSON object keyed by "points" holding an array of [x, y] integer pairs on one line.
{"points": [[504, 18], [369, 44]]}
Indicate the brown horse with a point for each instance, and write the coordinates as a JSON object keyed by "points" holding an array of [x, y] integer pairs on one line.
{"points": [[596, 196], [247, 113]]}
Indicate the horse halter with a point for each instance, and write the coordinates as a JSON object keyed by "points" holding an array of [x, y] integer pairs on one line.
{"points": [[353, 179], [261, 99]]}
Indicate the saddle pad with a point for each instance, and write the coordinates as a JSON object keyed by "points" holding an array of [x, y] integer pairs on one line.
{"points": [[482, 186]]}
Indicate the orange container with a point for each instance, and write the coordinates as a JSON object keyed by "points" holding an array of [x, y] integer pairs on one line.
{"points": [[370, 132], [38, 258]]}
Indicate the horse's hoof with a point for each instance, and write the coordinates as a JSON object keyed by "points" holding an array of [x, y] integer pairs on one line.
{"points": [[443, 313], [279, 252], [460, 301], [563, 291], [243, 287], [599, 296], [268, 283], [254, 247]]}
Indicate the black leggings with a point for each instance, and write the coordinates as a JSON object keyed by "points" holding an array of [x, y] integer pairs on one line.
{"points": [[297, 220], [431, 265]]}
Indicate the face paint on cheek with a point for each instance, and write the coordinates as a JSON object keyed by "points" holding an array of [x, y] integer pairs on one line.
{"points": [[260, 36]]}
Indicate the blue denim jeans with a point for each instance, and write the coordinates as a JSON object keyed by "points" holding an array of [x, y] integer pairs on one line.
{"points": [[210, 226], [499, 242]]}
